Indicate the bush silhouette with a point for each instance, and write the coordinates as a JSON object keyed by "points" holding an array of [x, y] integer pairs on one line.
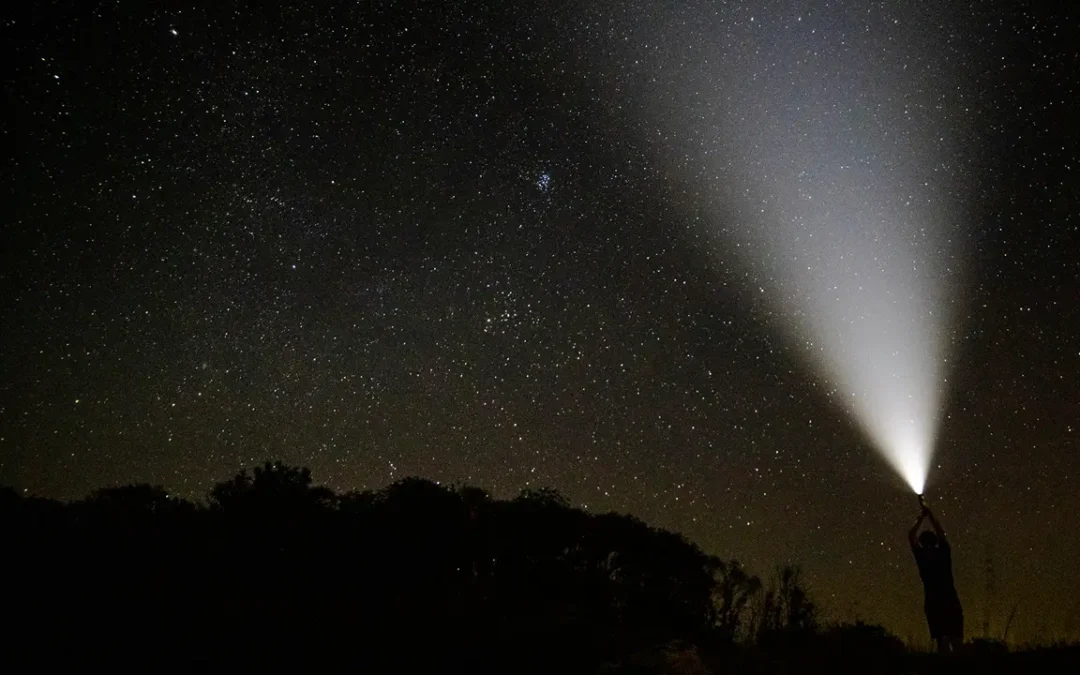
{"points": [[274, 570]]}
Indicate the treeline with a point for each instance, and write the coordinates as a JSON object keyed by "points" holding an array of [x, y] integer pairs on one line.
{"points": [[273, 570]]}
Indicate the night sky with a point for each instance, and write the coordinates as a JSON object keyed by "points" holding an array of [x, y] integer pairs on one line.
{"points": [[383, 239]]}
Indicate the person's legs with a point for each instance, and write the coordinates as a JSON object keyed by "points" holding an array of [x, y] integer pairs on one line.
{"points": [[954, 633]]}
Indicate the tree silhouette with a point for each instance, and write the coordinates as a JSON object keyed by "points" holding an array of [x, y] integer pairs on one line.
{"points": [[274, 489], [733, 596], [429, 577], [787, 611]]}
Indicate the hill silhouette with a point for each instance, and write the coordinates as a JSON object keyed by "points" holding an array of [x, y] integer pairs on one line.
{"points": [[276, 572]]}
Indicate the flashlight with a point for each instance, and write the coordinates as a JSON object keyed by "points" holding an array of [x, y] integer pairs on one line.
{"points": [[922, 503]]}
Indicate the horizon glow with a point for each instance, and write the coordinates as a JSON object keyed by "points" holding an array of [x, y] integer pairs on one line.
{"points": [[826, 147]]}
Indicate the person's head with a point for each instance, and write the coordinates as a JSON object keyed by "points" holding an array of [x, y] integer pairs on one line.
{"points": [[928, 539]]}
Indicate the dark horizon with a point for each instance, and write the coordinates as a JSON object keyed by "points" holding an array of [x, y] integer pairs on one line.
{"points": [[276, 571]]}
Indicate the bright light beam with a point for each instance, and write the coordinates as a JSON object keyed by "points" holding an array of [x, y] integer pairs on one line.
{"points": [[830, 143], [851, 294]]}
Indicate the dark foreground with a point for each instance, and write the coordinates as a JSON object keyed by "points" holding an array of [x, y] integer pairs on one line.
{"points": [[275, 573]]}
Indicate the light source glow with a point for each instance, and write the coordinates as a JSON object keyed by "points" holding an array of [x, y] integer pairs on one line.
{"points": [[832, 171], [853, 300]]}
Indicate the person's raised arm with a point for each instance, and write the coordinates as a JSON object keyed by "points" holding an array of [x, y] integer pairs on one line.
{"points": [[911, 535], [936, 525]]}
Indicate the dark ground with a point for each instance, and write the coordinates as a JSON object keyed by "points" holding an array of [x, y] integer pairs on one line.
{"points": [[417, 577]]}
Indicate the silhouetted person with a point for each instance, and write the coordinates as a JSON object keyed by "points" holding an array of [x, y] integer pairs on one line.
{"points": [[944, 614]]}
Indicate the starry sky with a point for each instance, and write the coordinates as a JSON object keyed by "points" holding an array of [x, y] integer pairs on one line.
{"points": [[836, 153], [473, 242]]}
